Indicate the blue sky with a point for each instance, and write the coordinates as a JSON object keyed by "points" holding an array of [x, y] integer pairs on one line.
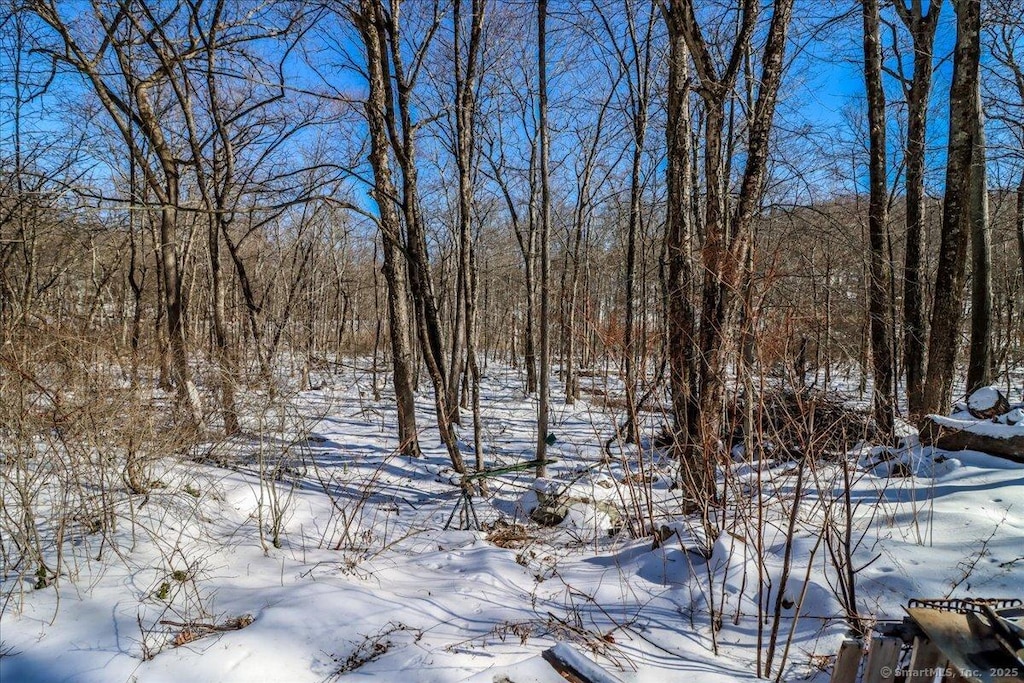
{"points": [[823, 87]]}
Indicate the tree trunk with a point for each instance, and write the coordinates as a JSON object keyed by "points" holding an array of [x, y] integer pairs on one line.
{"points": [[922, 31], [526, 238], [225, 357], [163, 178], [399, 324], [457, 357], [385, 194], [1019, 217], [947, 308], [713, 306], [159, 327], [720, 271], [465, 116], [727, 236], [638, 76], [529, 325], [188, 395], [396, 111], [252, 306], [980, 368], [545, 229], [878, 297], [420, 280], [679, 315]]}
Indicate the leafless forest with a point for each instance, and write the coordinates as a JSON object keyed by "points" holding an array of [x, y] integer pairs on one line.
{"points": [[208, 205]]}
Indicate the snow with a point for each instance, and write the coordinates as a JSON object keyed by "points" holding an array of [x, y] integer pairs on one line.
{"points": [[367, 584], [984, 398], [1005, 426], [581, 664], [1009, 425]]}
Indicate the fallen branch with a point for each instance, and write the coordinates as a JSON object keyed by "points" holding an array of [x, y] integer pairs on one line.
{"points": [[574, 667], [235, 624]]}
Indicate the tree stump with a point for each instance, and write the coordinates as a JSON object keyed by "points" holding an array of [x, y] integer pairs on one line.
{"points": [[987, 402]]}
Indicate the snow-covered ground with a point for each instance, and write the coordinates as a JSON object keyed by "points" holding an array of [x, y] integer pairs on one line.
{"points": [[365, 582]]}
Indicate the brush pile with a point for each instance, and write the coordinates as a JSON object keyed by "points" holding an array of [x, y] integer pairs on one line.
{"points": [[793, 424]]}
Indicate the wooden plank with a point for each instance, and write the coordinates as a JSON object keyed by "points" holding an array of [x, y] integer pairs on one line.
{"points": [[847, 662], [883, 658], [969, 644], [925, 659]]}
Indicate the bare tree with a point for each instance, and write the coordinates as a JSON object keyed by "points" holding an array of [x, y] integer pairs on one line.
{"points": [[727, 234], [588, 184], [215, 126], [947, 308], [679, 312], [544, 387], [396, 83], [635, 59], [878, 298], [467, 76], [524, 227], [921, 25], [152, 150], [369, 20], [1004, 33], [980, 368]]}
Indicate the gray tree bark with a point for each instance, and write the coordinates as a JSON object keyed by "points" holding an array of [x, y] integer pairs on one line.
{"points": [[947, 309], [368, 20], [980, 368], [397, 113], [544, 370], [921, 27], [467, 79], [878, 295], [727, 235]]}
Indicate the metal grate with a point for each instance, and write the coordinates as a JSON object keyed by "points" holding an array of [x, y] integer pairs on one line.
{"points": [[966, 605]]}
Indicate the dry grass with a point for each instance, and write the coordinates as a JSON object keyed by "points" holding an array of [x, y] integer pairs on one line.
{"points": [[510, 536]]}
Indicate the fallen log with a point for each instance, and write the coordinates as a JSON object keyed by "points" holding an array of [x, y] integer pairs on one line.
{"points": [[574, 667], [951, 434]]}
